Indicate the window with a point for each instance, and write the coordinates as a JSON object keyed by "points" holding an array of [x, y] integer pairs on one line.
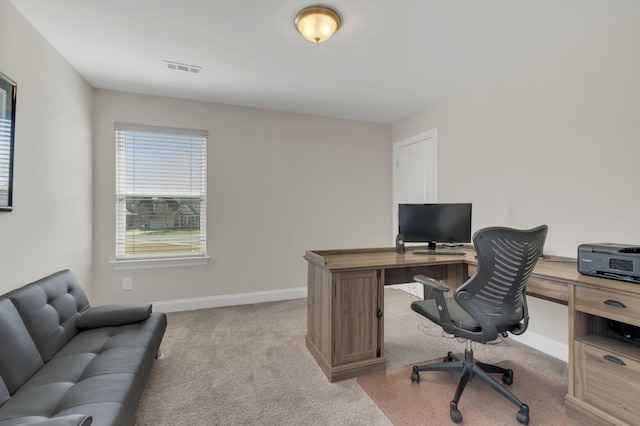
{"points": [[160, 192], [7, 129], [5, 159]]}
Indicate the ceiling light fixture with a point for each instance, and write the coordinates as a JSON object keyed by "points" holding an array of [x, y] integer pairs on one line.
{"points": [[317, 23]]}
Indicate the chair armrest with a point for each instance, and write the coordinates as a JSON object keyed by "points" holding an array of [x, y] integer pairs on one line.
{"points": [[432, 283], [443, 310], [113, 315]]}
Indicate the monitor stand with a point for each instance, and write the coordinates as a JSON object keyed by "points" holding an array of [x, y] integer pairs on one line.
{"points": [[432, 245]]}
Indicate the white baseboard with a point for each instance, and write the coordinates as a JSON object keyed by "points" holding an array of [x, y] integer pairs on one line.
{"points": [[229, 300], [530, 338], [544, 344]]}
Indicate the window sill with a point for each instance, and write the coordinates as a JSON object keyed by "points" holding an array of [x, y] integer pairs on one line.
{"points": [[170, 262]]}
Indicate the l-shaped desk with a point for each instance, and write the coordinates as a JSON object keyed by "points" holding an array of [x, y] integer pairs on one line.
{"points": [[345, 320]]}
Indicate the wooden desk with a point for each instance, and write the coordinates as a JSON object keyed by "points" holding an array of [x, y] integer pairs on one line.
{"points": [[345, 320]]}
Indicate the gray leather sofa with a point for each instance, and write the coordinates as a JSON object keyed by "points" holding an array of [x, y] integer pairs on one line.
{"points": [[65, 363]]}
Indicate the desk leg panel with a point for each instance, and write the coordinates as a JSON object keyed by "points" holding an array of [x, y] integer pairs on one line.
{"points": [[344, 321], [346, 371], [319, 301]]}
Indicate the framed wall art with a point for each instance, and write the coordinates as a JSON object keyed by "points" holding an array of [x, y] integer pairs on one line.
{"points": [[8, 91]]}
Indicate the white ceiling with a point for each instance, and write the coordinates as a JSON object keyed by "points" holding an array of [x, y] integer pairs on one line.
{"points": [[390, 59]]}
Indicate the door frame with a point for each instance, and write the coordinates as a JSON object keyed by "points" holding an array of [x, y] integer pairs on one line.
{"points": [[432, 137]]}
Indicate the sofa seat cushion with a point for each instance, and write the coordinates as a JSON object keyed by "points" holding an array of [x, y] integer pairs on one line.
{"points": [[100, 372], [99, 340]]}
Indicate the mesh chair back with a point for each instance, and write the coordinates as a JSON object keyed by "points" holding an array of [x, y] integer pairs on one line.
{"points": [[495, 295]]}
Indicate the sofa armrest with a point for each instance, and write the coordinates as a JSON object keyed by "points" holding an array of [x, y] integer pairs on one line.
{"points": [[113, 315]]}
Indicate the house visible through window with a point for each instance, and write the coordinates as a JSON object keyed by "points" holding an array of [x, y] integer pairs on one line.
{"points": [[160, 192]]}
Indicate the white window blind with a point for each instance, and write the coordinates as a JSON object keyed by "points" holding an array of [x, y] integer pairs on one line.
{"points": [[160, 192]]}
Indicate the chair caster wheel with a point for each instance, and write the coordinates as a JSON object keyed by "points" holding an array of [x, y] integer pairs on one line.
{"points": [[456, 415], [448, 358], [507, 378], [523, 414], [415, 376]]}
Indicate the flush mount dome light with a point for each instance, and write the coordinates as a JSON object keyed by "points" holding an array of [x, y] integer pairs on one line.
{"points": [[317, 23]]}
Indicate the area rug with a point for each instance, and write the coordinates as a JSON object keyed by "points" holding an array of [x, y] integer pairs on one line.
{"points": [[427, 402]]}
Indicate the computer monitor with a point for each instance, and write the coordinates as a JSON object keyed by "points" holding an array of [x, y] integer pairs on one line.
{"points": [[435, 223]]}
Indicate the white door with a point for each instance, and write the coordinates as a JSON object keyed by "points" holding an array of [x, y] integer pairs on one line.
{"points": [[415, 179], [415, 172]]}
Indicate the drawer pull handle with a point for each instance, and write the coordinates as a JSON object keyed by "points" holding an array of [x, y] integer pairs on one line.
{"points": [[615, 303], [614, 360]]}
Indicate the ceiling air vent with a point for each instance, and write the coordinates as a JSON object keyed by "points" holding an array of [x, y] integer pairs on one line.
{"points": [[194, 69]]}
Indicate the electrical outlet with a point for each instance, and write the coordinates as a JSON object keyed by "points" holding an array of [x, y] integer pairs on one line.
{"points": [[127, 283]]}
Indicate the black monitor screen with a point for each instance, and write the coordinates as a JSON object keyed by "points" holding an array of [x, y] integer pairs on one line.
{"points": [[431, 223]]}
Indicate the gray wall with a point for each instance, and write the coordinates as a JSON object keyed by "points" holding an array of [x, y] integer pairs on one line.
{"points": [[50, 227], [278, 184], [555, 142]]}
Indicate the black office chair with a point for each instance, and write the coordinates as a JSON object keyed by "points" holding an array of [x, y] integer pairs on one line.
{"points": [[489, 303]]}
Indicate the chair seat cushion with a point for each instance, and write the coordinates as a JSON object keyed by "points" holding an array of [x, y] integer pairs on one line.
{"points": [[459, 317]]}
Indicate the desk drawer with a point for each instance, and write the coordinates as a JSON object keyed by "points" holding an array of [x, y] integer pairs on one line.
{"points": [[618, 306], [556, 292], [608, 381]]}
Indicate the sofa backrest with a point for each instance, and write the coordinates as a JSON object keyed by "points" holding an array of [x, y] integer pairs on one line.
{"points": [[19, 357], [49, 308]]}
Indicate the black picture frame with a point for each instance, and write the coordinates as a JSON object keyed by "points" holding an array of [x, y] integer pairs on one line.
{"points": [[8, 92]]}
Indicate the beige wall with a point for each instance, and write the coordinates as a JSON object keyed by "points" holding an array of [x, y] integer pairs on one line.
{"points": [[50, 227], [555, 142], [278, 184]]}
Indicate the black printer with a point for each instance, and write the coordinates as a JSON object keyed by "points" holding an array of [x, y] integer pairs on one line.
{"points": [[610, 260]]}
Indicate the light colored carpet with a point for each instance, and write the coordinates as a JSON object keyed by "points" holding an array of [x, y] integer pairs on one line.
{"points": [[248, 365]]}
